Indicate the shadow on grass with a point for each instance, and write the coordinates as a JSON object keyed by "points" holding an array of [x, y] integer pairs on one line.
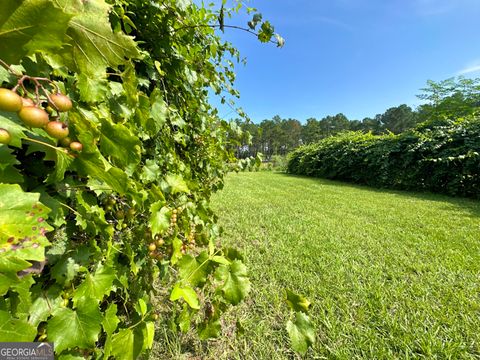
{"points": [[469, 205]]}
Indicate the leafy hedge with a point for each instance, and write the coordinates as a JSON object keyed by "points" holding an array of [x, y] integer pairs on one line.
{"points": [[440, 156]]}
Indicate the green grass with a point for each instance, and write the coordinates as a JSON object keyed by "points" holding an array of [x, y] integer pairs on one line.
{"points": [[390, 274]]}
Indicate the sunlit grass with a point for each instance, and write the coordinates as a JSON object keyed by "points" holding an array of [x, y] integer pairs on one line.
{"points": [[390, 274]]}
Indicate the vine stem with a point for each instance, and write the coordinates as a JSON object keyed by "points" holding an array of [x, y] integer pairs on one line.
{"points": [[43, 143], [218, 26], [70, 208], [9, 68]]}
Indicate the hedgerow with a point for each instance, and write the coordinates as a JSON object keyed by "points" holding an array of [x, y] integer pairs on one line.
{"points": [[440, 156]]}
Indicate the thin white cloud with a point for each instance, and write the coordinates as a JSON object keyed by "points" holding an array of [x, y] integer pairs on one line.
{"points": [[472, 68]]}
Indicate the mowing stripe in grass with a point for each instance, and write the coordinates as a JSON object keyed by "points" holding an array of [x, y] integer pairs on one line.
{"points": [[391, 274]]}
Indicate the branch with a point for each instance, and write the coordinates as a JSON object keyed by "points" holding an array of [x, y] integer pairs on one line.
{"points": [[213, 26], [9, 69]]}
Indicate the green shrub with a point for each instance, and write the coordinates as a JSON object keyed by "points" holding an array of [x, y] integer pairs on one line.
{"points": [[439, 157]]}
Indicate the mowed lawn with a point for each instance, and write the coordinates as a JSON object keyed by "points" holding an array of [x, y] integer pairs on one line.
{"points": [[390, 274]]}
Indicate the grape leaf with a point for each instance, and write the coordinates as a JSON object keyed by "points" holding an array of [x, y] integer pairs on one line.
{"points": [[110, 321], [22, 224], [194, 270], [15, 330], [184, 319], [44, 303], [91, 89], [93, 164], [187, 293], [297, 302], [266, 32], [301, 332], [151, 171], [176, 184], [8, 173], [63, 160], [94, 45], [96, 285], [9, 121], [209, 329], [145, 333], [71, 328], [125, 346], [158, 111], [159, 218], [119, 142], [236, 284], [27, 27], [183, 4]]}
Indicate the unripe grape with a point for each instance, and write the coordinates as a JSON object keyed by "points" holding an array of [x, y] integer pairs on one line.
{"points": [[5, 136], [57, 129], [61, 102], [33, 116], [76, 146], [10, 100]]}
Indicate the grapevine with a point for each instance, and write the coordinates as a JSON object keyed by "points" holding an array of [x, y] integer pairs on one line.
{"points": [[110, 152]]}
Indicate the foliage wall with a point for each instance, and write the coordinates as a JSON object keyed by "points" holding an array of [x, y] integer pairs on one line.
{"points": [[439, 156]]}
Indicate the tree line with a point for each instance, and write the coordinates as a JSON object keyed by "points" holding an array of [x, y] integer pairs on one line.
{"points": [[277, 136]]}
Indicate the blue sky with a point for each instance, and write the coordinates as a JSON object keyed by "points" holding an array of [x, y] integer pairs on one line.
{"points": [[358, 57]]}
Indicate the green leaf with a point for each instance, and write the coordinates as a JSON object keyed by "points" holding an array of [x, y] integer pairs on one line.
{"points": [[110, 321], [184, 319], [71, 328], [44, 304], [177, 250], [93, 165], [158, 111], [21, 289], [159, 218], [151, 171], [118, 142], [63, 160], [125, 346], [27, 27], [194, 270], [91, 88], [22, 224], [183, 4], [209, 329], [297, 302], [236, 284], [8, 173], [10, 122], [93, 44], [176, 184], [15, 330], [266, 32], [301, 333], [148, 330], [187, 294], [141, 307], [96, 285], [221, 260]]}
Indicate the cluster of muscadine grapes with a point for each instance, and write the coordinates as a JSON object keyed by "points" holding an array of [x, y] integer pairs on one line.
{"points": [[34, 116], [119, 210], [156, 247]]}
